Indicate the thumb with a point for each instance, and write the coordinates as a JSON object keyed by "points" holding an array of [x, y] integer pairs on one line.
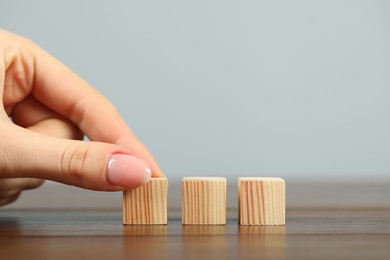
{"points": [[91, 165]]}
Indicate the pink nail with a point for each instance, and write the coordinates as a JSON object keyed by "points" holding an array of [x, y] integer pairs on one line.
{"points": [[127, 171]]}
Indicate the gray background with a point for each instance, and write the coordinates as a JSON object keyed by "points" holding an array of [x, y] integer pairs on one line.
{"points": [[297, 89]]}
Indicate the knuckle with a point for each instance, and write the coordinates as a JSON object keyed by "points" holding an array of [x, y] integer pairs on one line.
{"points": [[10, 199], [37, 183], [73, 160], [9, 192], [32, 183], [81, 107]]}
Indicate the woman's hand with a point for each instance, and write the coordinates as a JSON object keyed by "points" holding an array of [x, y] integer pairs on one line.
{"points": [[51, 109]]}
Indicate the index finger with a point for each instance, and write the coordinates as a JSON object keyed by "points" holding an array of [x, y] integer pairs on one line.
{"points": [[63, 91], [60, 89]]}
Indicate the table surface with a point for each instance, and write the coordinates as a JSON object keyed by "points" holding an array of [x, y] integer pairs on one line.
{"points": [[324, 220]]}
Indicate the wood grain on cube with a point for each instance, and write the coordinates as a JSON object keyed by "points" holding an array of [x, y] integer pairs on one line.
{"points": [[146, 205], [204, 201], [261, 201]]}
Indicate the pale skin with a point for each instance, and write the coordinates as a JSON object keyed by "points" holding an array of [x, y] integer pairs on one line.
{"points": [[46, 111]]}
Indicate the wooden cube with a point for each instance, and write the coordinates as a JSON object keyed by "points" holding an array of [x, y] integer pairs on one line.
{"points": [[204, 201], [146, 205], [261, 201]]}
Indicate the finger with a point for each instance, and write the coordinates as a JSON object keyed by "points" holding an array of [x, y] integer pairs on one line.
{"points": [[32, 183], [29, 111], [91, 165], [10, 186], [33, 115], [9, 200], [84, 106], [49, 81], [19, 183]]}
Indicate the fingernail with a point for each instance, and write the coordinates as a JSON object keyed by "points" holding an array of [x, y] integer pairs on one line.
{"points": [[127, 171]]}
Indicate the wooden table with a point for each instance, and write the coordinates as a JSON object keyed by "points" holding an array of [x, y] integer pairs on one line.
{"points": [[325, 220]]}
